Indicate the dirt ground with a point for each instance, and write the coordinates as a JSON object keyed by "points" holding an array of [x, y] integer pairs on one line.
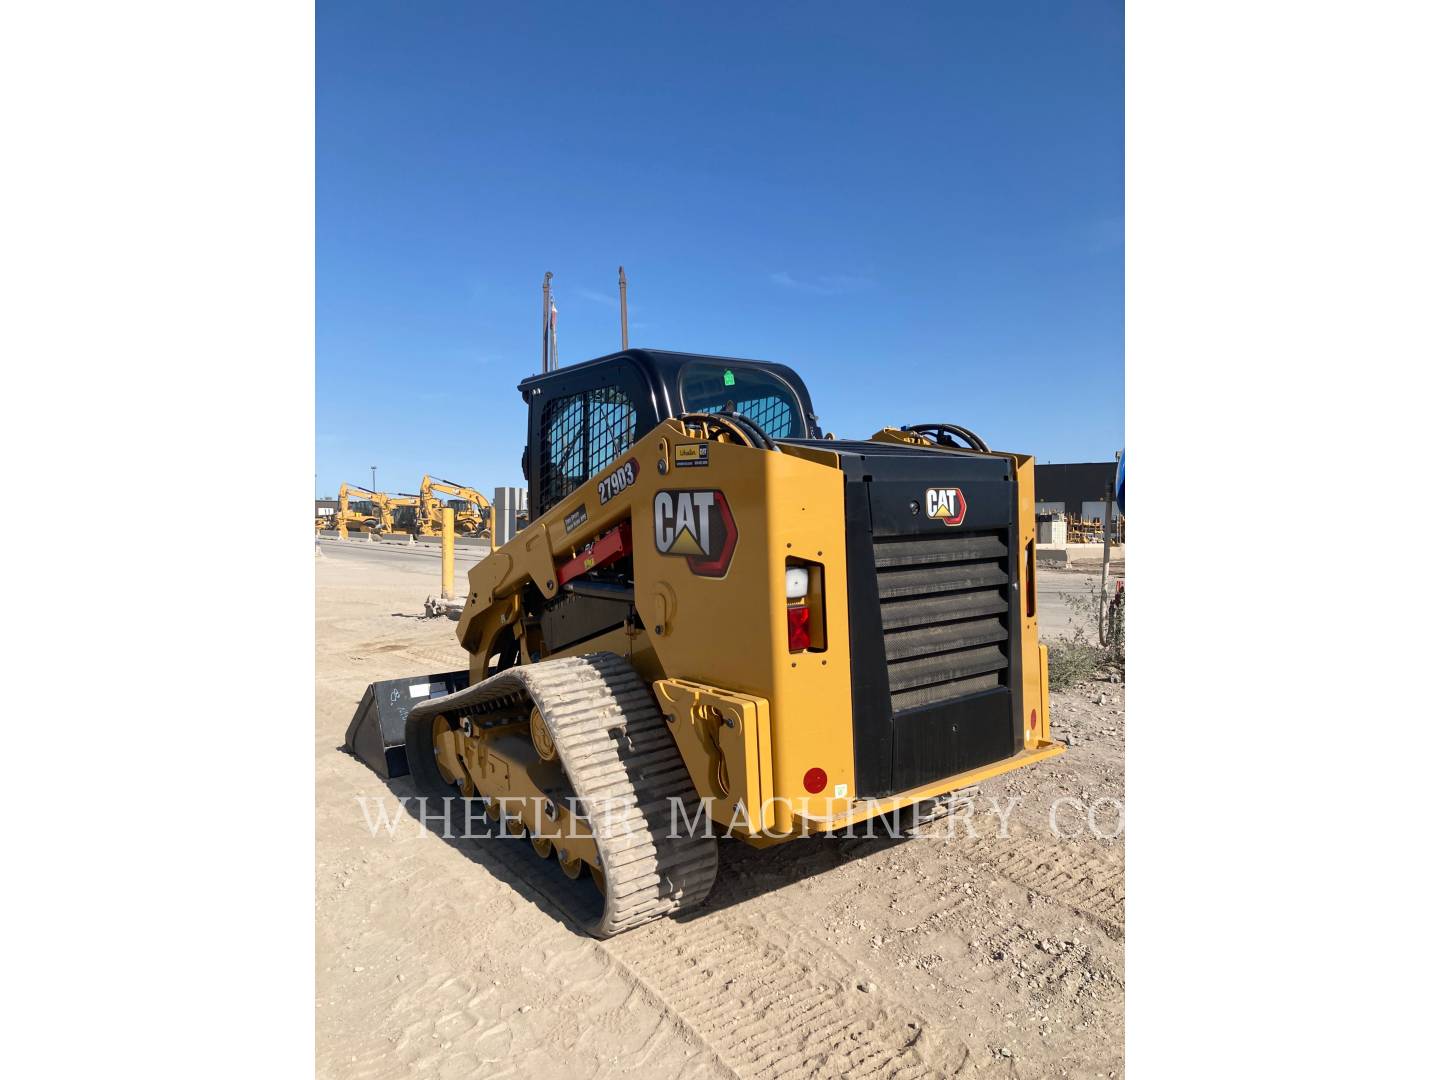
{"points": [[940, 955]]}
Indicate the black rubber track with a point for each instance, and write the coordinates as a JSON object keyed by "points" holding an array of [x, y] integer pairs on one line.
{"points": [[622, 761]]}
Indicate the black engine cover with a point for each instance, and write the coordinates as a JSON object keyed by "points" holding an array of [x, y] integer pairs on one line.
{"points": [[934, 613]]}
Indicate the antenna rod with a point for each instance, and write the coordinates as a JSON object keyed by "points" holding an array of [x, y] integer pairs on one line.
{"points": [[545, 325], [624, 321]]}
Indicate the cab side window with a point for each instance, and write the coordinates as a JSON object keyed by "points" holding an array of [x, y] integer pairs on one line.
{"points": [[580, 435]]}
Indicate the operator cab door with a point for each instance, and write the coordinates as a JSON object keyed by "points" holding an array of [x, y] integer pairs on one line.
{"points": [[580, 421]]}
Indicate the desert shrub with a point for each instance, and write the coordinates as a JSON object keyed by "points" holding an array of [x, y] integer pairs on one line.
{"points": [[1072, 663], [1079, 657]]}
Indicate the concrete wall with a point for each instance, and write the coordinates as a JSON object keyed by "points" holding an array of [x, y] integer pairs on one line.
{"points": [[508, 504]]}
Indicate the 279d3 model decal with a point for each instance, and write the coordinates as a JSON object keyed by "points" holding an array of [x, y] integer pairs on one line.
{"points": [[618, 481]]}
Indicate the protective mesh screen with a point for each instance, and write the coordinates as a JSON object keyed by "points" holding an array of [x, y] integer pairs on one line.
{"points": [[611, 428], [774, 414], [582, 434]]}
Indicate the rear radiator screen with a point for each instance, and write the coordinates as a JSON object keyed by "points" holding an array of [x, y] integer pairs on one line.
{"points": [[944, 610]]}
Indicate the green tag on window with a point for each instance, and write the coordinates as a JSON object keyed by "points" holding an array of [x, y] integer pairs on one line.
{"points": [[729, 377]]}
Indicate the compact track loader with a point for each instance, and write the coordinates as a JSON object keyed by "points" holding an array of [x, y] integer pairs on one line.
{"points": [[719, 616]]}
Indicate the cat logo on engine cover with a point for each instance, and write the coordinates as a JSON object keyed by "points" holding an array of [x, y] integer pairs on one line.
{"points": [[697, 525], [945, 504]]}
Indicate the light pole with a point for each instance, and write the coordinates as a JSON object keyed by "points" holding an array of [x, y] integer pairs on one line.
{"points": [[372, 479]]}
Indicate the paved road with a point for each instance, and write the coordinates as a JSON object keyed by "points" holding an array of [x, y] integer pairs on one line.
{"points": [[423, 558], [1053, 586]]}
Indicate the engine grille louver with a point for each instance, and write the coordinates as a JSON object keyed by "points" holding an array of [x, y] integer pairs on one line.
{"points": [[945, 614]]}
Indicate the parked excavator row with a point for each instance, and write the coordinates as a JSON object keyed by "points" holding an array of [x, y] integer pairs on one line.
{"points": [[377, 513]]}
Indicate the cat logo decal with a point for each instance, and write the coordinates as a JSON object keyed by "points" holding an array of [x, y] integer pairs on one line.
{"points": [[697, 525], [945, 504]]}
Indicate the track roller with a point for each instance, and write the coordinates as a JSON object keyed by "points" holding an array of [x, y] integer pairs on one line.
{"points": [[573, 867]]}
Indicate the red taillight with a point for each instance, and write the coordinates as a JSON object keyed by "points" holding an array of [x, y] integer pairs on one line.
{"points": [[1034, 720], [815, 781], [797, 621]]}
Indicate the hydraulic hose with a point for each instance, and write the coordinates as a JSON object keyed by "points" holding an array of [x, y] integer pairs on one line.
{"points": [[755, 429], [942, 434], [737, 424]]}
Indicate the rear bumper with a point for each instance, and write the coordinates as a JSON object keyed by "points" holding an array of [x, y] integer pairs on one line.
{"points": [[825, 815]]}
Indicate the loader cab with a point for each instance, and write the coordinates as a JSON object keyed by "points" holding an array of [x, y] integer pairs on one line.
{"points": [[584, 417]]}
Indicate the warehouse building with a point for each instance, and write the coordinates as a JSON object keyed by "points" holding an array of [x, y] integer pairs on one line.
{"points": [[1077, 491]]}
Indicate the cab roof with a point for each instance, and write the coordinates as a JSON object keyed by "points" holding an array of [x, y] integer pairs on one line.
{"points": [[661, 368]]}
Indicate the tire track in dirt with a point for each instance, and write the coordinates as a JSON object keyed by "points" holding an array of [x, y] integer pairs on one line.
{"points": [[763, 996], [771, 1000], [1090, 885], [465, 973], [556, 896]]}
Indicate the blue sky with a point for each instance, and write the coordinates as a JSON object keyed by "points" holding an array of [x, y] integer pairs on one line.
{"points": [[919, 207]]}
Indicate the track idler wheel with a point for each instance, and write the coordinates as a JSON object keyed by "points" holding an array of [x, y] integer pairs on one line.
{"points": [[540, 737], [447, 744]]}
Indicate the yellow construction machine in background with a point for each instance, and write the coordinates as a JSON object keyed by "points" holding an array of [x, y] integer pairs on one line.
{"points": [[472, 519], [375, 514], [367, 520], [401, 514], [380, 514]]}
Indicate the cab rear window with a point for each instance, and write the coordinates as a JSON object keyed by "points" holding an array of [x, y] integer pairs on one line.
{"points": [[753, 392]]}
